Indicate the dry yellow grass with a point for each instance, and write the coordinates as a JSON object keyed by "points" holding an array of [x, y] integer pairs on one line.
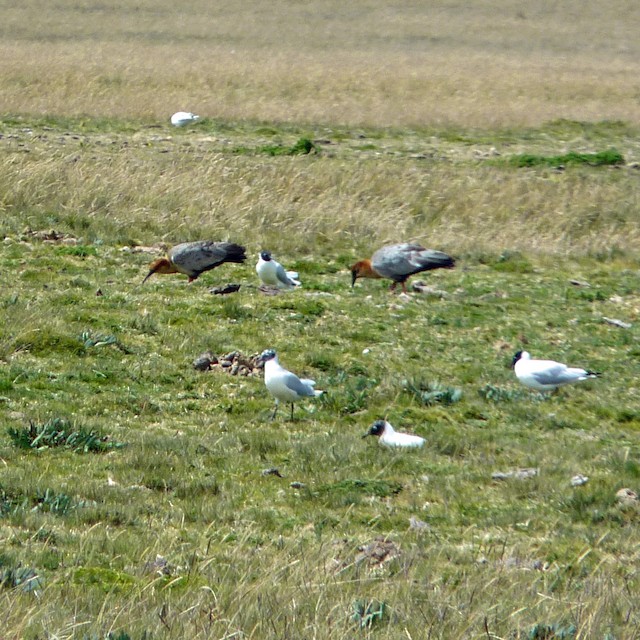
{"points": [[346, 202], [482, 64]]}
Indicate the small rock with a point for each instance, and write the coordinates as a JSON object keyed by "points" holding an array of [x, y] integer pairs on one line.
{"points": [[627, 497], [579, 283], [268, 290], [418, 525], [204, 361], [272, 471], [297, 485], [520, 474], [225, 289], [421, 287], [377, 552], [579, 480], [617, 323], [159, 566]]}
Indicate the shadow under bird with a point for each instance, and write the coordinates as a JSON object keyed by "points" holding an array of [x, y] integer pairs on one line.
{"points": [[272, 273], [398, 262], [546, 375], [194, 258], [284, 385], [389, 437]]}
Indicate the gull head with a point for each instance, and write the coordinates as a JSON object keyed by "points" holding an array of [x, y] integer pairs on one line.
{"points": [[267, 354], [520, 355], [376, 429], [265, 255]]}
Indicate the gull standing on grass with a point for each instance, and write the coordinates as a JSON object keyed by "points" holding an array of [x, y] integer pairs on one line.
{"points": [[389, 437], [272, 273], [284, 385], [399, 261], [547, 375], [182, 118]]}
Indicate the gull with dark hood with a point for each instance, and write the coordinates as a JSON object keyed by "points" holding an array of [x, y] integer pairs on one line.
{"points": [[389, 437], [284, 385], [546, 375], [272, 273]]}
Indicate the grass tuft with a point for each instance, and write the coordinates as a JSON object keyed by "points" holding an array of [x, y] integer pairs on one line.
{"points": [[59, 432]]}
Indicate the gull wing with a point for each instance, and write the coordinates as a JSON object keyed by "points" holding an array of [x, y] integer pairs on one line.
{"points": [[283, 276], [303, 388], [555, 373]]}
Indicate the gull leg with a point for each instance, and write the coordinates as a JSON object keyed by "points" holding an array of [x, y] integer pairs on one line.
{"points": [[275, 410], [292, 412]]}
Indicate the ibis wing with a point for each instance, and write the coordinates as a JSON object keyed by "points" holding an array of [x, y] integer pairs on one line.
{"points": [[394, 261], [196, 257]]}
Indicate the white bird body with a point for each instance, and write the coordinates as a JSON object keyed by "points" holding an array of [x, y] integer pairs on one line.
{"points": [[547, 375], [272, 273], [389, 437], [182, 118], [284, 385]]}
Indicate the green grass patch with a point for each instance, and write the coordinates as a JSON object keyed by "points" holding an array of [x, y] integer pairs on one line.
{"points": [[303, 146], [609, 157]]}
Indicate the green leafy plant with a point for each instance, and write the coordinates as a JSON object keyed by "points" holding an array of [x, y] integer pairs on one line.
{"points": [[430, 393], [366, 613]]}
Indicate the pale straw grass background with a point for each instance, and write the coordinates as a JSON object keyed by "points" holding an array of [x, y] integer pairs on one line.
{"points": [[481, 64]]}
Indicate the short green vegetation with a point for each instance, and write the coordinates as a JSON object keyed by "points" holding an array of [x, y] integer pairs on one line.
{"points": [[142, 497], [608, 157]]}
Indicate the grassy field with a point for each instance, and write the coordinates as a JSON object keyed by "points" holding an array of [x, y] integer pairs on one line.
{"points": [[141, 498]]}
